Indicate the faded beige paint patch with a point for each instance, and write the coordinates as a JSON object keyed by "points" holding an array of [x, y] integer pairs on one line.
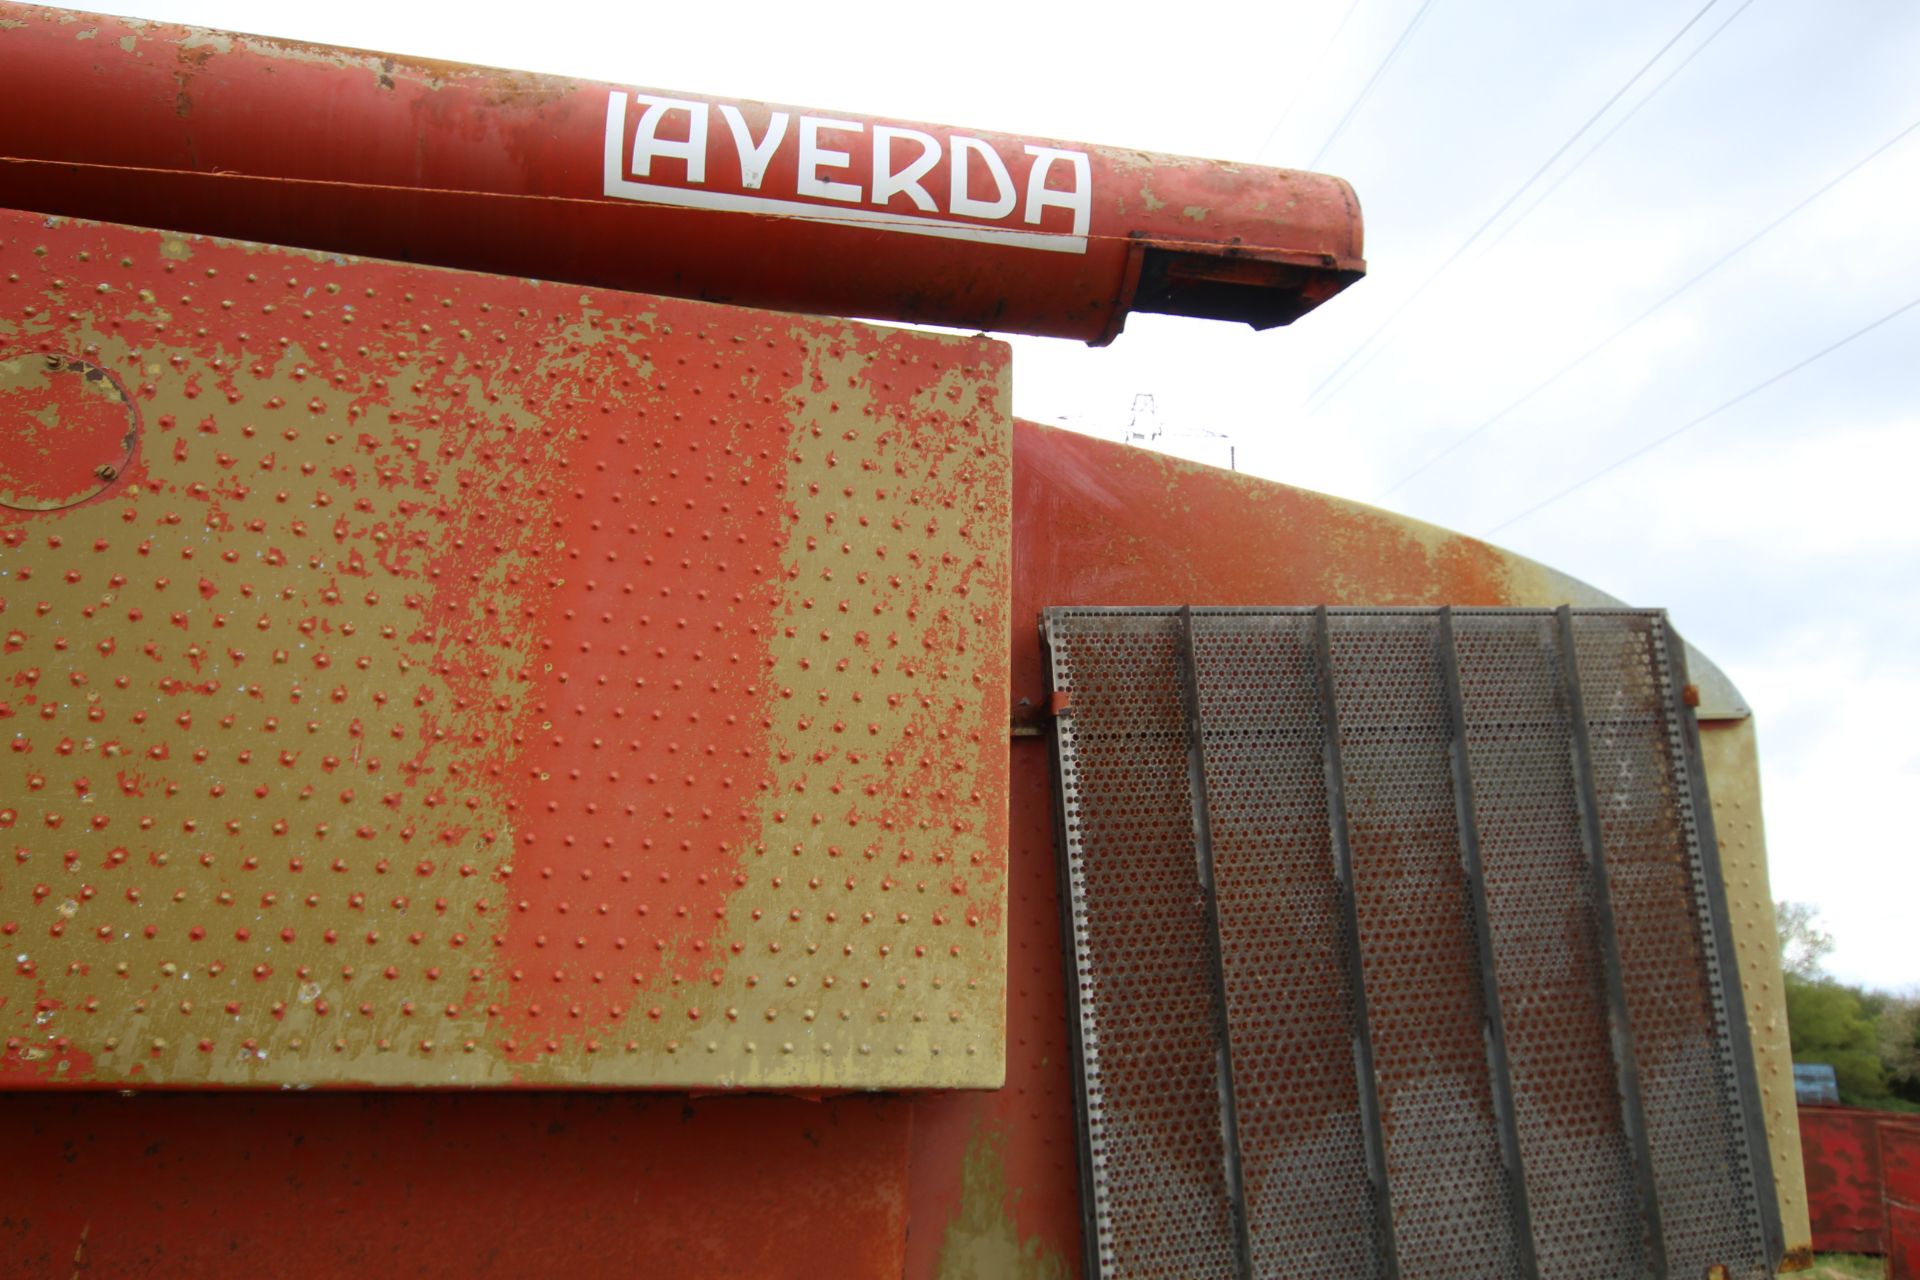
{"points": [[1730, 752], [982, 1241], [881, 867]]}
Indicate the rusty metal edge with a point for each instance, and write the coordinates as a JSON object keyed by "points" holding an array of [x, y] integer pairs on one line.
{"points": [[1626, 1062], [1706, 844], [1217, 966], [1091, 1265], [1368, 1084], [1499, 1070]]}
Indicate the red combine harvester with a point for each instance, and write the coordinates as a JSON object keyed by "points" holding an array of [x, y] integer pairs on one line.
{"points": [[537, 748]]}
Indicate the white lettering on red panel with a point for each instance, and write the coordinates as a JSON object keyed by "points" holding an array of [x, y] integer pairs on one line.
{"points": [[845, 173]]}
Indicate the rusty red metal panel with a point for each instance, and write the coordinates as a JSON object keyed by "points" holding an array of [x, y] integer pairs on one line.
{"points": [[507, 1185], [1099, 523], [1843, 1179], [456, 1186], [1899, 1139], [670, 193], [1903, 1241], [989, 1182], [474, 681]]}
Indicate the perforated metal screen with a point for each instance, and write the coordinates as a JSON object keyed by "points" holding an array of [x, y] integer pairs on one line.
{"points": [[1399, 949]]}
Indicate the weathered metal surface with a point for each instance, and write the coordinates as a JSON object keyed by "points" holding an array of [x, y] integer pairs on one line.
{"points": [[1350, 971], [1140, 943], [501, 1185], [990, 1183], [1900, 1174], [1903, 1241], [1546, 943], [1201, 807], [74, 431], [1730, 751], [479, 681], [1680, 995], [1423, 720], [1863, 1183], [1453, 1200], [1844, 1189], [962, 1185], [1656, 945], [1100, 523], [1500, 1082], [669, 193]]}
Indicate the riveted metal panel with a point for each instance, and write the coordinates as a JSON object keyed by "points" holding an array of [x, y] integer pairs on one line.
{"points": [[476, 681], [1517, 1086]]}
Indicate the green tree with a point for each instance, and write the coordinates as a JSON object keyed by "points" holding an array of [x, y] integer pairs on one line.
{"points": [[1827, 1022], [1898, 1023]]}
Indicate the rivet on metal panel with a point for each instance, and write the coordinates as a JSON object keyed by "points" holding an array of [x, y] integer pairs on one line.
{"points": [[473, 666]]}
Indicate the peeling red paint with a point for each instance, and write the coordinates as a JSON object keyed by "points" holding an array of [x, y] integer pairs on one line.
{"points": [[509, 719], [1099, 523], [70, 429]]}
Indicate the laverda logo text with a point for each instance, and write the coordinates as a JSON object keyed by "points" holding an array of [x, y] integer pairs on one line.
{"points": [[878, 176]]}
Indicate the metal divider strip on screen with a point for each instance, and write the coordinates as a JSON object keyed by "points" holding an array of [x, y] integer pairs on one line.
{"points": [[1076, 1037], [1369, 1083], [1708, 1188], [1073, 912], [1632, 1107], [1453, 1212], [1499, 1070], [1154, 1196], [1706, 841], [1210, 900], [1578, 1159]]}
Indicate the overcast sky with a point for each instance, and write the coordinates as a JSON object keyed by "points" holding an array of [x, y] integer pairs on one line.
{"points": [[1780, 532]]}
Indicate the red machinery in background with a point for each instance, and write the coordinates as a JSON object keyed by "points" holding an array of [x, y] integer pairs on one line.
{"points": [[1863, 1183], [487, 634]]}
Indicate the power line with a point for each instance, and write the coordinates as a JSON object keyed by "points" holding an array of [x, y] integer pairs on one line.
{"points": [[1681, 430], [1319, 64], [1506, 204], [1611, 338], [1618, 125], [1367, 89]]}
